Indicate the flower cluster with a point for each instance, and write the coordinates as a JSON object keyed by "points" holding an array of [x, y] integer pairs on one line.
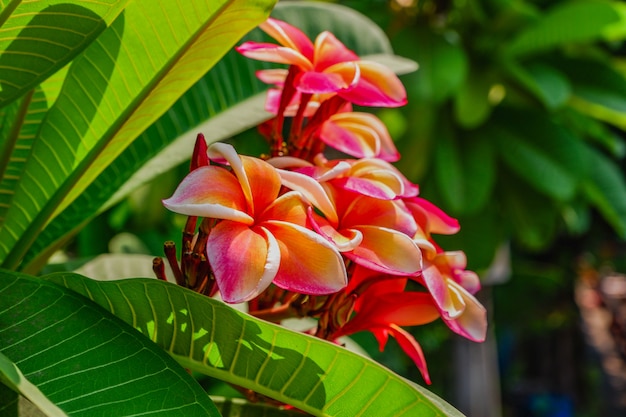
{"points": [[347, 241]]}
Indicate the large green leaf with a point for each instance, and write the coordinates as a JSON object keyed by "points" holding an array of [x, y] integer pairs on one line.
{"points": [[134, 71], [87, 361], [227, 100], [208, 336], [39, 37], [569, 22], [12, 377]]}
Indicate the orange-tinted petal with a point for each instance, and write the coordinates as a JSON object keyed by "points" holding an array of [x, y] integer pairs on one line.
{"points": [[329, 51], [210, 191], [309, 264], [410, 346], [388, 251], [244, 260], [377, 86], [289, 36], [312, 191], [269, 52], [472, 324], [289, 207]]}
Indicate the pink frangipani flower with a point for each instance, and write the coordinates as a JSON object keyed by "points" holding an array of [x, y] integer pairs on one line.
{"points": [[260, 236], [325, 67]]}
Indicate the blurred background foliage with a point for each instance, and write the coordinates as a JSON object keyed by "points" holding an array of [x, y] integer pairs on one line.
{"points": [[515, 125]]}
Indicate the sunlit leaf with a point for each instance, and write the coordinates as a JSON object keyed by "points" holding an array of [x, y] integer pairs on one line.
{"points": [[85, 360], [208, 336], [37, 38], [138, 67]]}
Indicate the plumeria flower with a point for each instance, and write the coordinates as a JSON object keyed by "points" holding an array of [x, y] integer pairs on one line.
{"points": [[325, 67], [358, 134], [371, 232], [452, 287], [383, 306], [260, 236], [367, 176]]}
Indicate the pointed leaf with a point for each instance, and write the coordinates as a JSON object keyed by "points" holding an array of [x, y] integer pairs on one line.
{"points": [[208, 336], [85, 360], [123, 82]]}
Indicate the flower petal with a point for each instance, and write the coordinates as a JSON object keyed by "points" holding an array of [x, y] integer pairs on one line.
{"points": [[259, 180], [289, 207], [308, 263], [438, 221], [472, 324], [388, 251], [312, 82], [377, 86], [410, 346], [289, 36], [210, 191], [244, 260], [269, 52], [312, 192], [346, 240], [329, 51]]}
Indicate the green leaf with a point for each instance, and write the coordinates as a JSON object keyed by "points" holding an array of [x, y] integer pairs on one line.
{"points": [[472, 105], [208, 336], [465, 171], [135, 70], [443, 66], [606, 190], [532, 217], [87, 361], [546, 83], [227, 100], [38, 38], [549, 157], [566, 23], [11, 376]]}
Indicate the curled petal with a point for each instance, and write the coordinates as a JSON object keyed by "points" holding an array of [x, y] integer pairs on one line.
{"points": [[288, 162], [269, 52], [388, 251], [345, 240], [289, 36], [244, 260], [210, 191], [258, 180], [378, 86], [472, 324], [410, 346], [329, 51], [438, 221], [450, 303], [289, 207], [358, 134], [308, 263], [312, 192]]}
